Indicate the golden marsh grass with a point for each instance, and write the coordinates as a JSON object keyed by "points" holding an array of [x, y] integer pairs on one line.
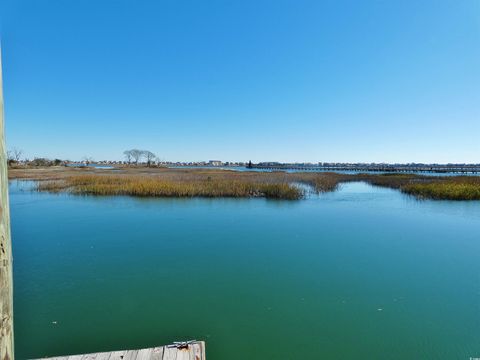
{"points": [[154, 182]]}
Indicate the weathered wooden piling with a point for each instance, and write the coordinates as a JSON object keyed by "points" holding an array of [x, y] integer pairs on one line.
{"points": [[6, 282]]}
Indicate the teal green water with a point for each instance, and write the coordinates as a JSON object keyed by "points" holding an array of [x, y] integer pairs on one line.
{"points": [[363, 272]]}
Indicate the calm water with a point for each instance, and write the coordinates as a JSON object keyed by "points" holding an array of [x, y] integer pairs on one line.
{"points": [[364, 273]]}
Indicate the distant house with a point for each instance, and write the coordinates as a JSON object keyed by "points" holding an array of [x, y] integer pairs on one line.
{"points": [[215, 163]]}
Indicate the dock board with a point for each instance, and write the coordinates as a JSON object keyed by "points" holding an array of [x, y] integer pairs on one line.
{"points": [[194, 351]]}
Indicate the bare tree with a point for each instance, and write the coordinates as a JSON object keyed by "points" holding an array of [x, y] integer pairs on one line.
{"points": [[14, 154], [17, 154], [128, 156], [149, 156], [136, 155], [88, 160]]}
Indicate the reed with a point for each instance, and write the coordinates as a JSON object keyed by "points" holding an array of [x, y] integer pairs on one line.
{"points": [[222, 183], [157, 187], [51, 185], [445, 190]]}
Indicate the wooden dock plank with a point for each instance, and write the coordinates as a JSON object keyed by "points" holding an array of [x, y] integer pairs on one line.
{"points": [[169, 353], [144, 354], [195, 351], [97, 356], [74, 357], [130, 355], [116, 355], [199, 351], [157, 353], [184, 354]]}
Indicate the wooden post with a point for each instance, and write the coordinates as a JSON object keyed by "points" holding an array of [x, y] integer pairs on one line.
{"points": [[6, 282]]}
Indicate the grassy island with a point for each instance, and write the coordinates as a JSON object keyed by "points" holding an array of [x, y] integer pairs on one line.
{"points": [[159, 187], [163, 182]]}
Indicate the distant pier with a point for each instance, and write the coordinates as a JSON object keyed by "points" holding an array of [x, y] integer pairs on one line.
{"points": [[458, 169], [192, 350]]}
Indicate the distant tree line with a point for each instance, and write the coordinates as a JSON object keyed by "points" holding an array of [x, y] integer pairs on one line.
{"points": [[45, 162], [135, 156], [14, 158]]}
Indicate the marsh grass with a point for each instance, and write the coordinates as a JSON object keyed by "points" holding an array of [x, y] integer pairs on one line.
{"points": [[159, 187], [51, 185], [222, 183], [427, 187], [461, 188]]}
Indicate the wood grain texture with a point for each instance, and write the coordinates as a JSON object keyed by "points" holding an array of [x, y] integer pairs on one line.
{"points": [[195, 351], [6, 281], [74, 357]]}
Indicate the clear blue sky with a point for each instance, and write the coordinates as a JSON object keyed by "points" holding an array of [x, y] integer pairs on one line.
{"points": [[373, 81]]}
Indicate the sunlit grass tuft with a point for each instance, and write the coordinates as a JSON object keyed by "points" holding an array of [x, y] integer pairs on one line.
{"points": [[444, 190]]}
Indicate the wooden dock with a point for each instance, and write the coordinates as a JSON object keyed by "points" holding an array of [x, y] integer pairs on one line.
{"points": [[192, 351]]}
